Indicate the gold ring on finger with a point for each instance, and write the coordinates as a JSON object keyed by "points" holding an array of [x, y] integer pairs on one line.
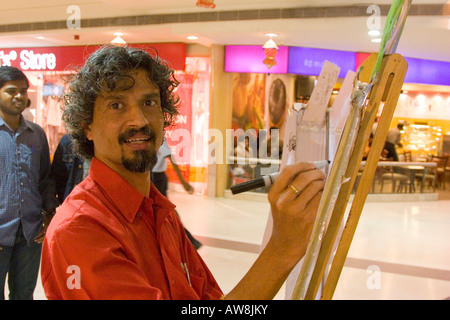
{"points": [[294, 189]]}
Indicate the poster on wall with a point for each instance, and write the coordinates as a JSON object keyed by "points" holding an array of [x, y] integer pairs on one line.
{"points": [[188, 137], [179, 136], [261, 101], [279, 97], [248, 101]]}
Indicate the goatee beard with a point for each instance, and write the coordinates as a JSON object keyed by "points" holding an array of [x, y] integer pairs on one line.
{"points": [[142, 161]]}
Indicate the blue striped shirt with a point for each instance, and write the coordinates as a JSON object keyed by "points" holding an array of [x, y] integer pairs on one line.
{"points": [[25, 183]]}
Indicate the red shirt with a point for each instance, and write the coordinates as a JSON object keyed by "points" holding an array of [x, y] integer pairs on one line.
{"points": [[108, 241]]}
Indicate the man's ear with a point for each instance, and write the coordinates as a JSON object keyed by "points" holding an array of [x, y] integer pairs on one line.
{"points": [[88, 132]]}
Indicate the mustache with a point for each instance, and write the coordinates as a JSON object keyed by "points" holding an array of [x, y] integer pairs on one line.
{"points": [[131, 132]]}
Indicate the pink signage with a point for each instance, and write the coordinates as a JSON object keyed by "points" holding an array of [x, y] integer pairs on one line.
{"points": [[61, 58], [250, 59]]}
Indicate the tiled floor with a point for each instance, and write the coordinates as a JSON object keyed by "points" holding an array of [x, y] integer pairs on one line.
{"points": [[407, 242], [401, 250]]}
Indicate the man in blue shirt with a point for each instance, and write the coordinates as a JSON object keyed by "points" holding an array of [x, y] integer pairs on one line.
{"points": [[27, 193]]}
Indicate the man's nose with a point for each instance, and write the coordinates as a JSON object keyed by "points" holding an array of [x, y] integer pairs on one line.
{"points": [[136, 117], [21, 95]]}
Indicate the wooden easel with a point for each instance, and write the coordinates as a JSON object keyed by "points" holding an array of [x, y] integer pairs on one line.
{"points": [[387, 89]]}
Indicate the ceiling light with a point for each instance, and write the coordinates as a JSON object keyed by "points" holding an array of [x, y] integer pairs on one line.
{"points": [[272, 35], [376, 40], [374, 33], [270, 51], [270, 44], [118, 41], [192, 37]]}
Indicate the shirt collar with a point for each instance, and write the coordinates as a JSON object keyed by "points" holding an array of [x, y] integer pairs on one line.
{"points": [[122, 194], [23, 124]]}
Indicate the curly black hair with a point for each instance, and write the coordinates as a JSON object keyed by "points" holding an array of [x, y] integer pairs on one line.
{"points": [[108, 69]]}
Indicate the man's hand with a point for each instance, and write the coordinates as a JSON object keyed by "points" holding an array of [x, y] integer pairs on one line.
{"points": [[47, 218], [294, 200]]}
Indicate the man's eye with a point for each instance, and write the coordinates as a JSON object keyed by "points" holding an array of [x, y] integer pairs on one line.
{"points": [[115, 105], [149, 103]]}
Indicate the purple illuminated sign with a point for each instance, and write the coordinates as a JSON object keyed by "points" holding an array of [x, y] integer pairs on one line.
{"points": [[427, 72], [309, 61], [250, 59]]}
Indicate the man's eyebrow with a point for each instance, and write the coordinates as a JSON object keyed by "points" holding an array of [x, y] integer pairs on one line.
{"points": [[152, 95], [115, 96], [14, 87]]}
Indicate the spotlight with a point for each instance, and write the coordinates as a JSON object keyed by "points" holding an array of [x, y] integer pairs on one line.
{"points": [[118, 41]]}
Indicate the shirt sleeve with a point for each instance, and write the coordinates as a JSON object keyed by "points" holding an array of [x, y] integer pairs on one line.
{"points": [[164, 151], [59, 171], [80, 262], [46, 183]]}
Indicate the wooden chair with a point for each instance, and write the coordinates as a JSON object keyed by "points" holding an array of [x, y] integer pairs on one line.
{"points": [[403, 180], [447, 172], [435, 176], [447, 169], [440, 169], [407, 155]]}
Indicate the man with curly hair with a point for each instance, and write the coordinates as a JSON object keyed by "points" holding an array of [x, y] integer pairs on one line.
{"points": [[115, 236]]}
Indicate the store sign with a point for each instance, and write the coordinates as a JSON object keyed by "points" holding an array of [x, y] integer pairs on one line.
{"points": [[44, 59], [427, 72], [62, 58], [251, 59], [29, 60], [309, 61]]}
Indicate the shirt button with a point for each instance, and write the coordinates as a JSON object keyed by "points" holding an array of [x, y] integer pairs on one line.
{"points": [[139, 214], [172, 282]]}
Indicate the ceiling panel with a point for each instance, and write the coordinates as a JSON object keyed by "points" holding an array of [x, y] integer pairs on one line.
{"points": [[424, 36]]}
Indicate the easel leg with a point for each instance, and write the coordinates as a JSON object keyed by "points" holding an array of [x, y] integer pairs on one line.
{"points": [[385, 90], [389, 89]]}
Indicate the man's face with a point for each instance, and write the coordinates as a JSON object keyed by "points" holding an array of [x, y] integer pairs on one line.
{"points": [[127, 127], [13, 97]]}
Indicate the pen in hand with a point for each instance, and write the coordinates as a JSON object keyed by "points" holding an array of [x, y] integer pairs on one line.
{"points": [[267, 180]]}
